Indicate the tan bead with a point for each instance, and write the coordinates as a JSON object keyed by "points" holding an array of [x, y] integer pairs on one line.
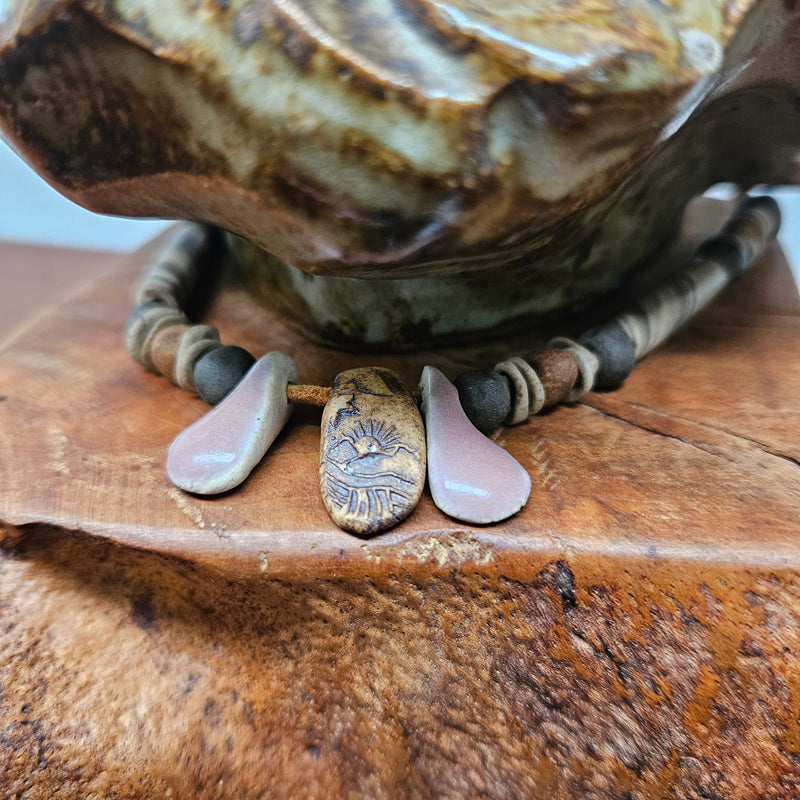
{"points": [[177, 268], [163, 348], [372, 453], [558, 372], [747, 226], [143, 325], [195, 342]]}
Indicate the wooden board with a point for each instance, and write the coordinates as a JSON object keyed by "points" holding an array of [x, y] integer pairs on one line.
{"points": [[34, 278], [635, 629]]}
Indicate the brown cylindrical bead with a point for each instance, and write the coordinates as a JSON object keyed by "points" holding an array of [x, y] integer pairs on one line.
{"points": [[308, 395], [163, 347], [558, 371]]}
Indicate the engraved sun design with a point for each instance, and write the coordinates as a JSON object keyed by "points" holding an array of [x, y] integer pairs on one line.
{"points": [[373, 440], [367, 472]]}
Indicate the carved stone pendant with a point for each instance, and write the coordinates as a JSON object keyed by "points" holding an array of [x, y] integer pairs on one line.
{"points": [[372, 453], [219, 451], [471, 478]]}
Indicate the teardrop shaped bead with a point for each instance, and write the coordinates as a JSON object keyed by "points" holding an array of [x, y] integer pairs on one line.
{"points": [[372, 451], [470, 477], [219, 451]]}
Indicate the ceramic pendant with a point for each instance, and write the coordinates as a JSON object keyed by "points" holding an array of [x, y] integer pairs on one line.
{"points": [[372, 452], [471, 478], [219, 451]]}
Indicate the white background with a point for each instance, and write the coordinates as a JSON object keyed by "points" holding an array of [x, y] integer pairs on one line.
{"points": [[32, 211]]}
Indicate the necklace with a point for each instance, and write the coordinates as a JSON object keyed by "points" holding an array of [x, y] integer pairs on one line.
{"points": [[379, 441]]}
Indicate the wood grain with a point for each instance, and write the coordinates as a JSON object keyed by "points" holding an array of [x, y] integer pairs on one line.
{"points": [[32, 278], [633, 633]]}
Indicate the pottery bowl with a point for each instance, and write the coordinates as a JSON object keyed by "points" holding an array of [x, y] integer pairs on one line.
{"points": [[523, 156]]}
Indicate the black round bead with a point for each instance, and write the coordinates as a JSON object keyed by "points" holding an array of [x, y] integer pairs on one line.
{"points": [[218, 371], [614, 350], [485, 396]]}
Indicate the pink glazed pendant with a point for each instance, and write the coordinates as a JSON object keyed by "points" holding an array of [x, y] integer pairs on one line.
{"points": [[216, 453], [470, 477]]}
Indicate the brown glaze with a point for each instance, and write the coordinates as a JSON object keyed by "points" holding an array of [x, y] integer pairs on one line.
{"points": [[632, 633], [374, 138]]}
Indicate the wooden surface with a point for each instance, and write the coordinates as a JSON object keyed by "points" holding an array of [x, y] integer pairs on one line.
{"points": [[33, 279], [634, 632], [699, 444]]}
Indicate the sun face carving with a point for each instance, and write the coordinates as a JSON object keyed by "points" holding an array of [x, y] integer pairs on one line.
{"points": [[373, 453], [365, 448], [370, 469]]}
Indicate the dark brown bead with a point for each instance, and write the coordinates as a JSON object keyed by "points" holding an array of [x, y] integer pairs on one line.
{"points": [[558, 371]]}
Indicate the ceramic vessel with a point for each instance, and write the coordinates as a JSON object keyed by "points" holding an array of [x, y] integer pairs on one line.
{"points": [[495, 162]]}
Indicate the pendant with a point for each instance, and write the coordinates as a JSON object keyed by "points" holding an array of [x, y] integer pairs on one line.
{"points": [[470, 477], [216, 453], [372, 451]]}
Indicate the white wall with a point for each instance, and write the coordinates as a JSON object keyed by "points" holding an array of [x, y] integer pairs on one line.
{"points": [[32, 211]]}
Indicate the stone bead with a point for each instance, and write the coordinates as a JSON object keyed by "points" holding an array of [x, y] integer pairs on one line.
{"points": [[755, 222], [216, 453], [372, 451], [163, 348], [727, 250], [218, 372], [485, 397], [144, 323], [558, 371], [588, 365], [175, 272], [614, 350], [471, 477], [196, 341], [764, 207], [520, 394]]}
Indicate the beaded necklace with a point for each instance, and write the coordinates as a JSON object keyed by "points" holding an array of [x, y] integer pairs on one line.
{"points": [[376, 450]]}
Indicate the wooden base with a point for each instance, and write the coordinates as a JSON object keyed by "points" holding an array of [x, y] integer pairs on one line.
{"points": [[634, 632]]}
